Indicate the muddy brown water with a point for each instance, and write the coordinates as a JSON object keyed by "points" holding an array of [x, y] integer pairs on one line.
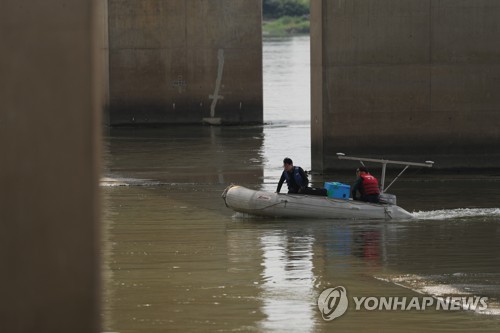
{"points": [[176, 259]]}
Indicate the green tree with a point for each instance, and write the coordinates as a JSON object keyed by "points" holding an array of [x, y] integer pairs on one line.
{"points": [[278, 8]]}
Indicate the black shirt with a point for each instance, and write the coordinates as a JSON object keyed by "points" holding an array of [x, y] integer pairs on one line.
{"points": [[293, 187]]}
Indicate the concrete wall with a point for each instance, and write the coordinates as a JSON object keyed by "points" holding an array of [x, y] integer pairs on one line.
{"points": [[50, 120], [416, 79], [169, 58]]}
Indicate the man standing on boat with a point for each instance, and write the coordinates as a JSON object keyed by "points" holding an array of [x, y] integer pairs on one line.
{"points": [[366, 185], [295, 178]]}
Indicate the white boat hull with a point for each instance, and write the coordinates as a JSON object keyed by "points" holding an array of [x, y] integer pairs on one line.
{"points": [[263, 203]]}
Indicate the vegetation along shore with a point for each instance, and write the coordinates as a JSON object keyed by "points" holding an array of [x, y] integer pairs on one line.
{"points": [[285, 17]]}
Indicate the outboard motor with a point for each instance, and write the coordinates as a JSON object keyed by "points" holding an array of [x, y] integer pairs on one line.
{"points": [[388, 199]]}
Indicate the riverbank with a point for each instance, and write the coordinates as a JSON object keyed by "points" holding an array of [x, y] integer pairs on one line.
{"points": [[286, 26]]}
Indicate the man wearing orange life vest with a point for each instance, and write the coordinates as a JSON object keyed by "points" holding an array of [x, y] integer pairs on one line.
{"points": [[366, 185]]}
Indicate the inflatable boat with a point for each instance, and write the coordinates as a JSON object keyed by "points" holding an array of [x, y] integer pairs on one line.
{"points": [[245, 200]]}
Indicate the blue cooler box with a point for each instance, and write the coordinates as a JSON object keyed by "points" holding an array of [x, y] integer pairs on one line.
{"points": [[338, 190]]}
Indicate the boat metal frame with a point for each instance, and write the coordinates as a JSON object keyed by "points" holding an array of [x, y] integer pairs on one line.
{"points": [[384, 162]]}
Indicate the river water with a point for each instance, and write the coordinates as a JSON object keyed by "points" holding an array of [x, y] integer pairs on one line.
{"points": [[176, 259]]}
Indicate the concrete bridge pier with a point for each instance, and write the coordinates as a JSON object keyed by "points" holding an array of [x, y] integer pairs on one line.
{"points": [[406, 79], [51, 95], [185, 62]]}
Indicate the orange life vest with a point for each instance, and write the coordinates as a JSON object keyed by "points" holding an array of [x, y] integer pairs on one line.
{"points": [[370, 185]]}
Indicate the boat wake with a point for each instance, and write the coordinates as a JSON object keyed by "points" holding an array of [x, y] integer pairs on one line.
{"points": [[445, 214], [120, 181], [453, 285]]}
